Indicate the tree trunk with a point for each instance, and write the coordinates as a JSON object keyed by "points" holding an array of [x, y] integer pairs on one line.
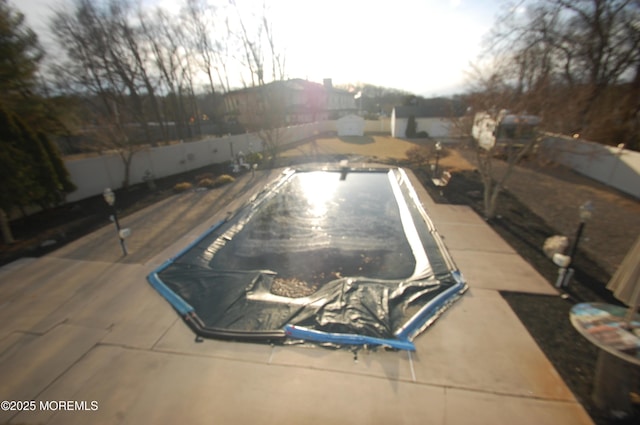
{"points": [[492, 185], [491, 199], [632, 116], [5, 228], [485, 167], [126, 156]]}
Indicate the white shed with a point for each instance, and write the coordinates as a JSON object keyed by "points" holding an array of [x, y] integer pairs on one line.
{"points": [[350, 125]]}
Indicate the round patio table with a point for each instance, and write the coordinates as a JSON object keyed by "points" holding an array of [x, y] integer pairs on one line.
{"points": [[618, 366]]}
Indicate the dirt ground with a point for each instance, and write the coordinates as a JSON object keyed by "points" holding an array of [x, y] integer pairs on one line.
{"points": [[555, 193], [540, 201], [370, 147]]}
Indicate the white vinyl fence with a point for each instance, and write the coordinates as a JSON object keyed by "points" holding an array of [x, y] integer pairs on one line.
{"points": [[619, 168], [92, 175], [615, 167]]}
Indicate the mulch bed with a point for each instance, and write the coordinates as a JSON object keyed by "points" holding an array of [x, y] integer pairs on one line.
{"points": [[43, 232]]}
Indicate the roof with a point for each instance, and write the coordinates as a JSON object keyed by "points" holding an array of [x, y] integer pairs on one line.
{"points": [[292, 84], [512, 119], [351, 117], [432, 108]]}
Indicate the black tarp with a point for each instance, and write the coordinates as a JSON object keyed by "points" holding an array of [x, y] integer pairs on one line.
{"points": [[334, 251]]}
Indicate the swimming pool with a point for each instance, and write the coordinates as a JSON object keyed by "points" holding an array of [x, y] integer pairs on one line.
{"points": [[338, 256]]}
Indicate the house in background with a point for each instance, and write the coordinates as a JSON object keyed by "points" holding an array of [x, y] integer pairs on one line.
{"points": [[435, 116], [340, 102], [289, 102]]}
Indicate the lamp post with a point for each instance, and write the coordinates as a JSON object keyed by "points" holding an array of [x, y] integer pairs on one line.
{"points": [[438, 150], [585, 212], [110, 199], [566, 273]]}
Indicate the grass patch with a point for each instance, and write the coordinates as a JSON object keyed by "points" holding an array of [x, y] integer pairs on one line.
{"points": [[384, 147], [357, 140]]}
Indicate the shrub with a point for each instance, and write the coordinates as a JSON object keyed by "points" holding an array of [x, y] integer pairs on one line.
{"points": [[206, 182], [182, 187], [422, 135], [412, 126], [204, 176], [253, 158], [222, 180]]}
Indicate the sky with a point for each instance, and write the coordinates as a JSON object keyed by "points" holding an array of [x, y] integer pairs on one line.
{"points": [[421, 46]]}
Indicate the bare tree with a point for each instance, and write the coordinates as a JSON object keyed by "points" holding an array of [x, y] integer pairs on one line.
{"points": [[272, 110], [104, 63], [135, 67], [252, 48], [490, 100], [223, 52], [132, 38], [567, 60], [278, 59], [163, 36], [515, 149], [269, 99], [200, 19]]}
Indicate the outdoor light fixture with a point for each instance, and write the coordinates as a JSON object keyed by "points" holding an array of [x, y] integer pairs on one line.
{"points": [[438, 149], [585, 212], [110, 198], [344, 169]]}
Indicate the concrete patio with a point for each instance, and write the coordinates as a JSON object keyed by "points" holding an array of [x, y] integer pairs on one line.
{"points": [[83, 324]]}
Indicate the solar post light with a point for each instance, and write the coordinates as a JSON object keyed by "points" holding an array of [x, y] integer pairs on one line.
{"points": [[110, 198], [438, 150], [585, 212]]}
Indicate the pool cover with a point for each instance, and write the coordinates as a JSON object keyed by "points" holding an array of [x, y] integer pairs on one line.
{"points": [[339, 256]]}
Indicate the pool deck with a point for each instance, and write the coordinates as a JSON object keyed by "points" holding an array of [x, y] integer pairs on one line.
{"points": [[82, 324]]}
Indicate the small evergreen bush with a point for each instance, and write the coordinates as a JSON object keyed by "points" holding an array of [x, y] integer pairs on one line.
{"points": [[412, 126], [206, 182], [182, 187], [205, 176], [253, 158], [222, 180]]}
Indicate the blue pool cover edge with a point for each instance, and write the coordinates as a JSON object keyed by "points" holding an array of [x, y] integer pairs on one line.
{"points": [[432, 310], [307, 334], [424, 317], [174, 299]]}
